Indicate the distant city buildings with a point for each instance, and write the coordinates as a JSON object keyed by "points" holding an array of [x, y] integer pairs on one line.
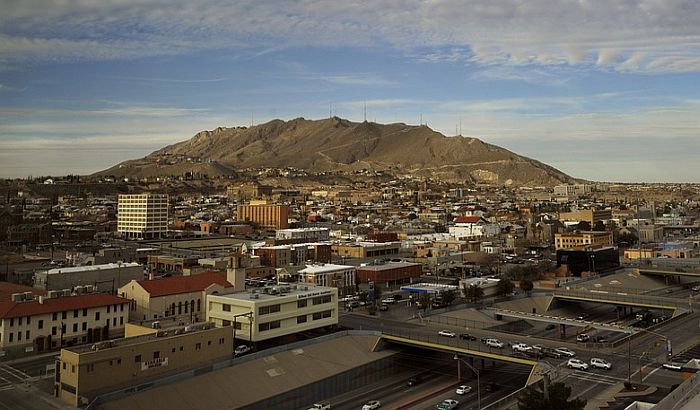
{"points": [[143, 216], [579, 240]]}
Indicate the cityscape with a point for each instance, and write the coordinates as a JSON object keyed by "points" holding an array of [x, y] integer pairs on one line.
{"points": [[345, 205]]}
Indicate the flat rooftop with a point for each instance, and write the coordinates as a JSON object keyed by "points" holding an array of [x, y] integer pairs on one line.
{"points": [[283, 289], [90, 268], [388, 266]]}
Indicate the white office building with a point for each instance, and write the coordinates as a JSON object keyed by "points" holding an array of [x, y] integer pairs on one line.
{"points": [[142, 216]]}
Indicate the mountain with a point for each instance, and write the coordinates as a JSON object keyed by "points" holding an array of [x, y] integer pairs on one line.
{"points": [[337, 144]]}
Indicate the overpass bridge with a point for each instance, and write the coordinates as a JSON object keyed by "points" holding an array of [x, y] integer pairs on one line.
{"points": [[559, 320], [475, 350], [667, 273], [623, 299]]}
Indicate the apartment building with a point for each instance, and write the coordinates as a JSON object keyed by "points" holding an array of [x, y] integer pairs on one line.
{"points": [[274, 312], [142, 216], [29, 324], [179, 296], [84, 372], [264, 215], [587, 239]]}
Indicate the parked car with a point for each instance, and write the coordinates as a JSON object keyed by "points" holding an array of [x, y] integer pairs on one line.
{"points": [[582, 337], [551, 353], [372, 404], [463, 390], [389, 301], [672, 366], [600, 364], [322, 405], [577, 364], [241, 350], [466, 336], [565, 352], [447, 333], [494, 343]]}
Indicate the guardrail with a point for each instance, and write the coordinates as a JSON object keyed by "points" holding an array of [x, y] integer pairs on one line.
{"points": [[623, 298]]}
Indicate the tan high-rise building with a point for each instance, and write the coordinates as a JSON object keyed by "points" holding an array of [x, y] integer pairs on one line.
{"points": [[143, 216], [264, 214]]}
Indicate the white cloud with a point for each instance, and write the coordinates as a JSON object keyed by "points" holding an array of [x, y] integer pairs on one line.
{"points": [[647, 36]]}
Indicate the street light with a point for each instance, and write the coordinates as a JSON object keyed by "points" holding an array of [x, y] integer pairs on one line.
{"points": [[478, 383]]}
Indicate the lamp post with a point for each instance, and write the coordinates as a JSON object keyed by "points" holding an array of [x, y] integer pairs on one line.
{"points": [[478, 383]]}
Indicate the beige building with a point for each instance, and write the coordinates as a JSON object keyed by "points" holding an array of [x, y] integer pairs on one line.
{"points": [[35, 325], [274, 312], [588, 239], [178, 296], [328, 274], [84, 372], [142, 216], [366, 249], [592, 216]]}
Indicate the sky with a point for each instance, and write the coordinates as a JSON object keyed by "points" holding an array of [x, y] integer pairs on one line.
{"points": [[603, 90]]}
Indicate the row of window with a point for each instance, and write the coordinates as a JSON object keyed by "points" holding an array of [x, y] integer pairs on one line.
{"points": [[265, 310], [64, 315]]}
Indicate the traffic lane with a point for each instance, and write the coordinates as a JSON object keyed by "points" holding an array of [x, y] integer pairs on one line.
{"points": [[508, 378]]}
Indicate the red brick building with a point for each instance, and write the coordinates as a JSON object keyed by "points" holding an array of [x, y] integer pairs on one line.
{"points": [[393, 272]]}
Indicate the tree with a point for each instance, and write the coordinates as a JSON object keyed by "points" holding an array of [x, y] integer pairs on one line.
{"points": [[583, 226], [526, 285], [599, 226], [424, 300], [473, 293], [505, 286], [559, 393], [448, 297]]}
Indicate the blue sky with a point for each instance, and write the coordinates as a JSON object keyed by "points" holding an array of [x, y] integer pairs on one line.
{"points": [[603, 90]]}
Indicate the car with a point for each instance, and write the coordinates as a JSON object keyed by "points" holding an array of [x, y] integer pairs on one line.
{"points": [[551, 353], [397, 296], [538, 347], [447, 404], [582, 337], [413, 381], [582, 316], [466, 336], [353, 304], [322, 405], [383, 307], [535, 354], [577, 364], [672, 366], [565, 351], [494, 343], [521, 347], [463, 390], [241, 350], [372, 404], [696, 288], [447, 333], [389, 301], [600, 363]]}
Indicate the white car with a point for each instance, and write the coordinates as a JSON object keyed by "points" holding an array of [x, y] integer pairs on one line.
{"points": [[242, 349], [494, 343], [582, 337], [389, 300], [577, 364], [521, 347], [565, 352], [448, 404], [600, 363], [672, 366], [463, 389], [447, 333], [372, 404]]}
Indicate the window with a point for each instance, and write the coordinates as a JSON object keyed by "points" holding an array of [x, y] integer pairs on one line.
{"points": [[173, 350], [12, 321], [84, 312], [108, 308], [75, 327], [237, 325], [137, 358], [121, 307], [264, 310], [29, 320], [54, 316], [222, 340], [226, 307], [64, 315], [186, 306], [19, 336], [53, 331], [208, 342], [97, 315], [198, 346], [75, 313], [301, 303], [199, 305], [19, 321], [26, 335], [225, 323], [269, 325], [301, 319], [84, 325], [322, 315], [12, 335], [121, 320], [114, 321], [156, 354], [179, 308], [319, 300], [40, 325]]}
